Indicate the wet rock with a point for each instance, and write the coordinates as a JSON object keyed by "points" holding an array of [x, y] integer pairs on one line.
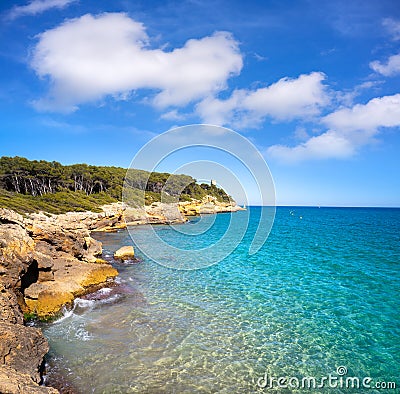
{"points": [[72, 278], [125, 253]]}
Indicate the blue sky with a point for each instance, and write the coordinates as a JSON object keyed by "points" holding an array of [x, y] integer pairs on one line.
{"points": [[315, 85]]}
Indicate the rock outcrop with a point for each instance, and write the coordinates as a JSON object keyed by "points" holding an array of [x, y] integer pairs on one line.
{"points": [[68, 233], [49, 260], [23, 347], [45, 262], [208, 205], [156, 213], [16, 249], [119, 215], [116, 216], [72, 279]]}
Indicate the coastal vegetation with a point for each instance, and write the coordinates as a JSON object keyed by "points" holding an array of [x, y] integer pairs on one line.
{"points": [[31, 185]]}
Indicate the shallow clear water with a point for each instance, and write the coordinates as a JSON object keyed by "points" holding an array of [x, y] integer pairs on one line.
{"points": [[323, 292]]}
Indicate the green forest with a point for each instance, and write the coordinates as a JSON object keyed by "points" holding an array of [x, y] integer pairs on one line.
{"points": [[32, 186]]}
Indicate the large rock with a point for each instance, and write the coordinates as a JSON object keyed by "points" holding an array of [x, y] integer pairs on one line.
{"points": [[92, 249], [22, 348], [72, 278], [14, 382], [156, 213], [16, 251], [125, 253], [159, 212], [68, 236], [135, 216], [45, 266]]}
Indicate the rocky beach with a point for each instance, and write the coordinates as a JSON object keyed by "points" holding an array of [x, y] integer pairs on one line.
{"points": [[48, 260]]}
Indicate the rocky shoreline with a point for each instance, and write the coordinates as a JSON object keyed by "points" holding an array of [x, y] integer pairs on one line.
{"points": [[46, 261]]}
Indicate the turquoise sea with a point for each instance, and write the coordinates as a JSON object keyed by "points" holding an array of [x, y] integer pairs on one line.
{"points": [[320, 299]]}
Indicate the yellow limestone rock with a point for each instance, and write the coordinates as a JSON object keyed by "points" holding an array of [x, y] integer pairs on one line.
{"points": [[49, 302], [125, 253], [76, 278]]}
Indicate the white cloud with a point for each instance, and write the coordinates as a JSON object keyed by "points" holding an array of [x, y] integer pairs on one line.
{"points": [[221, 112], [393, 27], [283, 100], [91, 57], [349, 129], [325, 146], [391, 67], [301, 133], [346, 97], [36, 7], [173, 115], [378, 112], [289, 98]]}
